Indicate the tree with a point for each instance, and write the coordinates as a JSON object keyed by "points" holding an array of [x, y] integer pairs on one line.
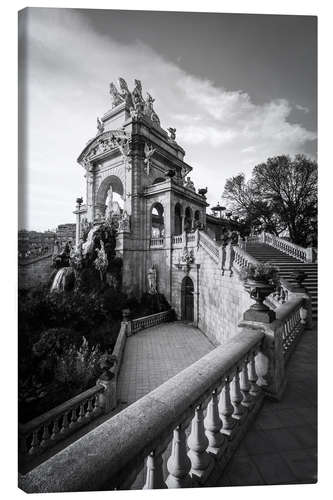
{"points": [[281, 194]]}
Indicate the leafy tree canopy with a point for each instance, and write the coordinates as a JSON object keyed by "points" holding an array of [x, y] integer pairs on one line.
{"points": [[281, 195]]}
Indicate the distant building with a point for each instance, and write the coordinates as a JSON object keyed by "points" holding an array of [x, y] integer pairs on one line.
{"points": [[34, 243], [65, 232]]}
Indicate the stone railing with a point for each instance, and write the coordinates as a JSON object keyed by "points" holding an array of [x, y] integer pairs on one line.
{"points": [[219, 396], [281, 336], [49, 428], [135, 325], [287, 247], [59, 423], [178, 239], [157, 242], [208, 244], [242, 259]]}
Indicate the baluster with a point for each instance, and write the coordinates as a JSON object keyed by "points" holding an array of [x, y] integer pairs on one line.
{"points": [[96, 404], [45, 436], [55, 430], [226, 409], [245, 386], [253, 377], [81, 413], [236, 397], [179, 465], [198, 444], [64, 426], [213, 425], [73, 418], [89, 408], [34, 443], [154, 479]]}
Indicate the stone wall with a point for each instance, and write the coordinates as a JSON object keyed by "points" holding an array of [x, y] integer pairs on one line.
{"points": [[219, 301], [36, 272]]}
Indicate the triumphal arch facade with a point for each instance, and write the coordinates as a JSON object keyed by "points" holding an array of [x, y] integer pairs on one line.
{"points": [[132, 158]]}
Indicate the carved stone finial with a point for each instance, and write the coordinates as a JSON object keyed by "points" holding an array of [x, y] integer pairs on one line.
{"points": [[172, 133], [100, 126], [115, 95]]}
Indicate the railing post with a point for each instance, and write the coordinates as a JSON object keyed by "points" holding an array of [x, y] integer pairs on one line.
{"points": [[179, 465], [309, 254], [108, 398], [154, 479], [198, 444]]}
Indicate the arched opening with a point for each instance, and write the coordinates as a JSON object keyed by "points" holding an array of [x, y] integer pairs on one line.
{"points": [[157, 221], [178, 219], [110, 197], [188, 219], [159, 179], [187, 299], [197, 219]]}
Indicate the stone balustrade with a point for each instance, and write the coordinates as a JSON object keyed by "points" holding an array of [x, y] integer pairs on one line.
{"points": [[281, 336], [53, 426], [287, 247], [177, 240], [208, 244], [217, 398], [157, 243], [135, 325], [242, 259]]}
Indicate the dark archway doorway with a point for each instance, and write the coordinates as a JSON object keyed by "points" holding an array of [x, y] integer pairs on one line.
{"points": [[187, 299]]}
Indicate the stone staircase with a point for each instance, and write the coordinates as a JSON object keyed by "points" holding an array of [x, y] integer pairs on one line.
{"points": [[287, 265]]}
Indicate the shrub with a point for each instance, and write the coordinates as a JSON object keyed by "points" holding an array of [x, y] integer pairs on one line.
{"points": [[78, 366]]}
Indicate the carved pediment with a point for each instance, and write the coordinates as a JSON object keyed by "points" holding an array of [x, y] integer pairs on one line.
{"points": [[105, 143]]}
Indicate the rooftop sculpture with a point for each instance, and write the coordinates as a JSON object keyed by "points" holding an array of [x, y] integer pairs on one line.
{"points": [[138, 106]]}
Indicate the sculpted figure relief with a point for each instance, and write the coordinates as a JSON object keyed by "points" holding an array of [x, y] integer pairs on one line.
{"points": [[149, 151], [189, 184], [172, 133], [152, 280], [125, 93], [100, 126], [115, 95]]}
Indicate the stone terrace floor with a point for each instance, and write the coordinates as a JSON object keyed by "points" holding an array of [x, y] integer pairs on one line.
{"points": [[281, 446], [154, 355]]}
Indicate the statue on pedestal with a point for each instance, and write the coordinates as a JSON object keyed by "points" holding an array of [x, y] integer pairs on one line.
{"points": [[189, 184], [172, 132], [124, 223], [100, 126], [152, 281]]}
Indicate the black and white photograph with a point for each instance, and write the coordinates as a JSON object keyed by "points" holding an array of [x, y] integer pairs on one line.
{"points": [[167, 249]]}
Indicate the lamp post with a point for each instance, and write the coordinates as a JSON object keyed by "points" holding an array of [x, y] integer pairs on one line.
{"points": [[79, 202], [218, 208]]}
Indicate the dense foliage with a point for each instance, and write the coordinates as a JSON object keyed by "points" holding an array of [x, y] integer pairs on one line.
{"points": [[280, 196]]}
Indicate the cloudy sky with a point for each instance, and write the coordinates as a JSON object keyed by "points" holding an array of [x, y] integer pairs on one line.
{"points": [[238, 89]]}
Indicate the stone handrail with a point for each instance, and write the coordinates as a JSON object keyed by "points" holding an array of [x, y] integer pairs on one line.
{"points": [[208, 244], [33, 260], [242, 258], [135, 325], [281, 336], [219, 394], [287, 247], [157, 242], [44, 431]]}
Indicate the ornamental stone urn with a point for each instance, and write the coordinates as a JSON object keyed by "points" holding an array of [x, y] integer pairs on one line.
{"points": [[258, 291]]}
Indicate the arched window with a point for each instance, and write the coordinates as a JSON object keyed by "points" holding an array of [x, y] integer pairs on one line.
{"points": [[188, 219], [197, 219], [157, 221], [178, 219]]}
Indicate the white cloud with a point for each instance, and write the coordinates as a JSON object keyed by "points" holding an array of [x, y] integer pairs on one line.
{"points": [[302, 108]]}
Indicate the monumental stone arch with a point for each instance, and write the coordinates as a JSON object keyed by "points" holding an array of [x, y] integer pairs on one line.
{"points": [[163, 228]]}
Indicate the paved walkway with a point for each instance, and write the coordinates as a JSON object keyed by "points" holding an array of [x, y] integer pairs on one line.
{"points": [[154, 355], [281, 446]]}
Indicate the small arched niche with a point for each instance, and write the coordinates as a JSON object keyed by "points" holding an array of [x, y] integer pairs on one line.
{"points": [[188, 220], [157, 221]]}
